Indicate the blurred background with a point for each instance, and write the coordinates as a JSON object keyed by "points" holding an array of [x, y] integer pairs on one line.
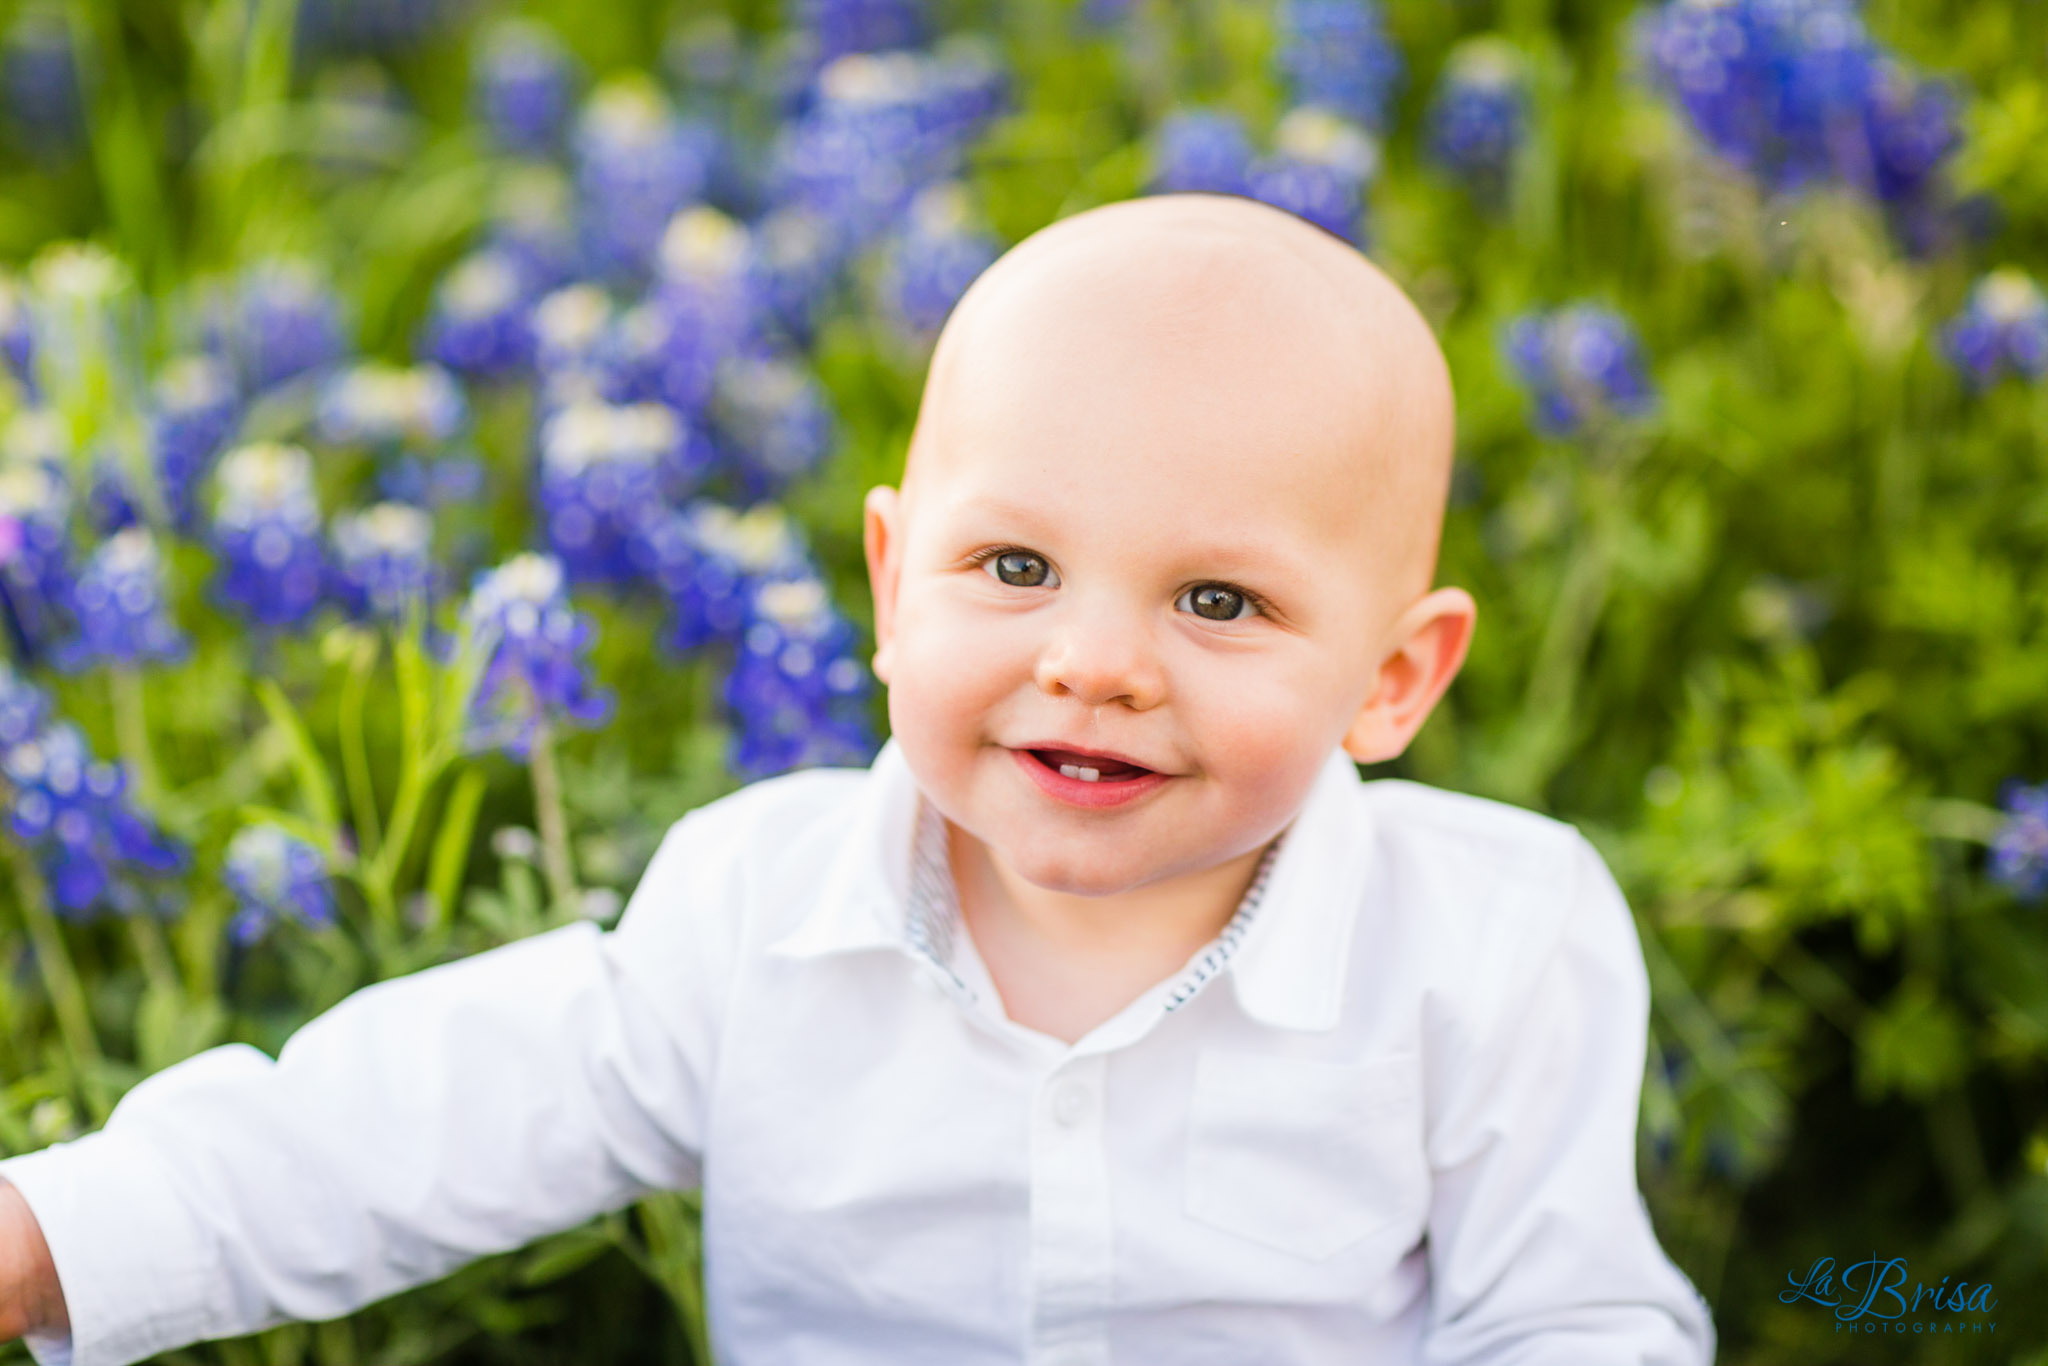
{"points": [[431, 442]]}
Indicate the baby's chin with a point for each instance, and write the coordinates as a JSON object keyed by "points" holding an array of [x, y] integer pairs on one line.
{"points": [[1099, 873]]}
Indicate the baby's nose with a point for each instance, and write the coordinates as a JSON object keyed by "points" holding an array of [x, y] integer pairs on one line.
{"points": [[1098, 657]]}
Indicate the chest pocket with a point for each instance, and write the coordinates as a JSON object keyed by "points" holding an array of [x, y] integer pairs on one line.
{"points": [[1305, 1156]]}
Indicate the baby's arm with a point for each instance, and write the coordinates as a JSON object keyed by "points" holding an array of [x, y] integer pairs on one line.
{"points": [[1541, 1251], [30, 1299], [422, 1123]]}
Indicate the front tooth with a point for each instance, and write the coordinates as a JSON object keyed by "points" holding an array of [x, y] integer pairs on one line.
{"points": [[1086, 775]]}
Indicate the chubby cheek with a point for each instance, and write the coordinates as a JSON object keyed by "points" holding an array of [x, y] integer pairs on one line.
{"points": [[1263, 737], [947, 672]]}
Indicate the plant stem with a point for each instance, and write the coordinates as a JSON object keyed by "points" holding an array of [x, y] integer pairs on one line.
{"points": [[155, 952], [131, 728], [60, 978], [355, 758], [554, 827]]}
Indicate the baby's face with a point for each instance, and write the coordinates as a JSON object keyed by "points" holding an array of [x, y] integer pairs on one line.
{"points": [[1137, 589]]}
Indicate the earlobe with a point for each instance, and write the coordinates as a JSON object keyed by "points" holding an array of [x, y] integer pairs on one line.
{"points": [[882, 543]]}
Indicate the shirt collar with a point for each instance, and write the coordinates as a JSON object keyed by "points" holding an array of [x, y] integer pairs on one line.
{"points": [[1287, 971]]}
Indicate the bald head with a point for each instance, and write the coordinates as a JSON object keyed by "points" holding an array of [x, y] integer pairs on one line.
{"points": [[1200, 305]]}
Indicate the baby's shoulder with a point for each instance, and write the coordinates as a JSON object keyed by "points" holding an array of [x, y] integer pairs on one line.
{"points": [[1476, 836]]}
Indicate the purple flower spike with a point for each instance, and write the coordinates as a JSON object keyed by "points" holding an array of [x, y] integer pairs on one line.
{"points": [[600, 473], [266, 527], [708, 558], [1582, 365], [1319, 171], [2003, 329], [23, 708], [39, 82], [73, 812], [2019, 852], [388, 406], [36, 570], [802, 253], [1200, 151], [774, 416], [520, 614], [1478, 118], [636, 164], [120, 609], [522, 84], [287, 322], [1337, 53], [383, 561], [798, 689], [195, 413], [843, 26], [708, 271], [930, 264], [481, 325], [17, 335], [275, 876], [575, 347]]}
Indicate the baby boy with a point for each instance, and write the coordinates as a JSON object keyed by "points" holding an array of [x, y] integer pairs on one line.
{"points": [[1109, 1017]]}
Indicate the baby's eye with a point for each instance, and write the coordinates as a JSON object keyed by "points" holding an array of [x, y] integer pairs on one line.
{"points": [[1218, 602], [1020, 569]]}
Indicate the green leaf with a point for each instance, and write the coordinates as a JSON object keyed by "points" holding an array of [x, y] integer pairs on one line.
{"points": [[316, 787], [450, 856]]}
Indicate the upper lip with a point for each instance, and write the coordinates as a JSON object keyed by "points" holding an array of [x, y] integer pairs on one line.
{"points": [[1085, 751]]}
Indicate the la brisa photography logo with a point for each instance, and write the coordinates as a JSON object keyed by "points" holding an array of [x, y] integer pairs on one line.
{"points": [[1879, 1295]]}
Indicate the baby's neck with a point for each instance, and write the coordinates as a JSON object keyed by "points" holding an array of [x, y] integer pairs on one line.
{"points": [[1064, 963]]}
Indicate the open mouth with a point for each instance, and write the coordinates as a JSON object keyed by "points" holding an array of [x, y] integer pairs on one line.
{"points": [[1088, 768]]}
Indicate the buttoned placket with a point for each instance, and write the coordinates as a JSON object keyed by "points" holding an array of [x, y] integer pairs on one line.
{"points": [[1070, 1271]]}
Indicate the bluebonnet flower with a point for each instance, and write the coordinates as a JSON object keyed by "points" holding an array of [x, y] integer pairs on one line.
{"points": [[2002, 329], [708, 271], [774, 416], [383, 561], [574, 346], [802, 252], [17, 334], [797, 689], [2019, 852], [23, 708], [88, 323], [707, 559], [445, 481], [1582, 364], [481, 323], [843, 26], [371, 26], [195, 413], [1479, 116], [287, 322], [275, 876], [36, 568], [1206, 151], [522, 81], [533, 221], [520, 614], [119, 607], [266, 527], [385, 406], [636, 164], [1319, 170], [74, 814], [39, 80], [882, 126], [930, 264], [967, 84], [600, 471], [1796, 91], [1337, 53]]}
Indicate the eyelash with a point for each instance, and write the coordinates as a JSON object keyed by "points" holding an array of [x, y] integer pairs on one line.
{"points": [[981, 557]]}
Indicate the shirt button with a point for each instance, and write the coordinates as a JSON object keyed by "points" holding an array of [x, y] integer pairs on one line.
{"points": [[1070, 1104]]}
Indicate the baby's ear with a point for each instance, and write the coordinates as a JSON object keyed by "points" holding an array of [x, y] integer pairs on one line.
{"points": [[1430, 643], [882, 538]]}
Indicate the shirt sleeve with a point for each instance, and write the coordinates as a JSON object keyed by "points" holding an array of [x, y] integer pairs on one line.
{"points": [[1541, 1251], [423, 1122]]}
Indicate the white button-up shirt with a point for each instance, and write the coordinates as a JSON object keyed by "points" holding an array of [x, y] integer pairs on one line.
{"points": [[1387, 1116]]}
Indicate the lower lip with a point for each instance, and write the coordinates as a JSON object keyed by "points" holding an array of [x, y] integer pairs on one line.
{"points": [[1075, 792]]}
